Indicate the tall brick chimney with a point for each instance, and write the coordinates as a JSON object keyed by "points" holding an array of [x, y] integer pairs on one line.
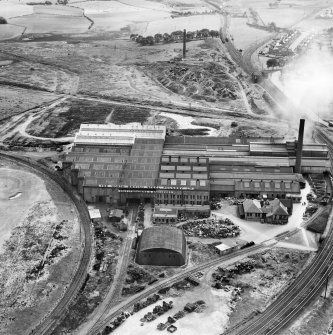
{"points": [[184, 43], [299, 147]]}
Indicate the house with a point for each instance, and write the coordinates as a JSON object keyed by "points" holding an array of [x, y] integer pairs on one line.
{"points": [[275, 212], [252, 209]]}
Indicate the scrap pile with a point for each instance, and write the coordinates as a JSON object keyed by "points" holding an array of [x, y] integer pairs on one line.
{"points": [[197, 307], [157, 311], [140, 216], [136, 280], [149, 301], [222, 276], [106, 247], [211, 228], [115, 323]]}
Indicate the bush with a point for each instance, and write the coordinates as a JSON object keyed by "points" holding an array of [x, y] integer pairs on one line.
{"points": [[234, 124], [3, 20]]}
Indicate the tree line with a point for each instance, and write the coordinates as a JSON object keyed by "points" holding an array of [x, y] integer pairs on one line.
{"points": [[174, 36]]}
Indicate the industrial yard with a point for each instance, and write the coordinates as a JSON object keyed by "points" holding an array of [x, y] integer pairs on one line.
{"points": [[165, 166]]}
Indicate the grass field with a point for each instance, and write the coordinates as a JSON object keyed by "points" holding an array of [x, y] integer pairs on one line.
{"points": [[40, 76], [14, 100], [56, 24], [190, 23], [13, 8], [10, 31]]}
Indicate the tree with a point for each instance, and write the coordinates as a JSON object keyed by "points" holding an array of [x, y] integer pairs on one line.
{"points": [[139, 39], [214, 33], [189, 35], [272, 62], [150, 40], [166, 37], [158, 38], [282, 62], [3, 20]]}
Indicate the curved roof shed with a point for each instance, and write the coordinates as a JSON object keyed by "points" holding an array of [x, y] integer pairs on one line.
{"points": [[162, 245]]}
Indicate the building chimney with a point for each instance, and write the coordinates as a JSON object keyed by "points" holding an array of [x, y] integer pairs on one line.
{"points": [[299, 147], [184, 43]]}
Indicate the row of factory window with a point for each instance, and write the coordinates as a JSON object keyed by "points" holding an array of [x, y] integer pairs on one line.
{"points": [[181, 196], [167, 168], [102, 150], [184, 175], [178, 159], [267, 185], [184, 182]]}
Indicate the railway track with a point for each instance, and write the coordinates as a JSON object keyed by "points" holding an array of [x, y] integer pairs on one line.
{"points": [[53, 318], [115, 290], [302, 291], [126, 305], [298, 295]]}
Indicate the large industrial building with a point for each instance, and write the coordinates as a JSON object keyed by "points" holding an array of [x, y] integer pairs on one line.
{"points": [[116, 163], [162, 245]]}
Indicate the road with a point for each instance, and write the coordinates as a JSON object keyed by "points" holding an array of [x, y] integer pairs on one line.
{"points": [[52, 319]]}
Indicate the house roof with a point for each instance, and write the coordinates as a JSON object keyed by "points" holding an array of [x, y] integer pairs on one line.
{"points": [[278, 207], [275, 207], [252, 206]]}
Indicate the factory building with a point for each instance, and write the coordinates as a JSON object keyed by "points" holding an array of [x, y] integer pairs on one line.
{"points": [[183, 183], [118, 163], [163, 246], [115, 163]]}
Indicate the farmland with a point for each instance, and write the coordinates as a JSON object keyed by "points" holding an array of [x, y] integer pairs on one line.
{"points": [[211, 22]]}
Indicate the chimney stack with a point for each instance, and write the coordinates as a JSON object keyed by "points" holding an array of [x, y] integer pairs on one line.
{"points": [[299, 147], [184, 44]]}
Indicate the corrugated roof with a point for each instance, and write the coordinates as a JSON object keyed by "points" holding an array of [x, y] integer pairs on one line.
{"points": [[163, 237]]}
